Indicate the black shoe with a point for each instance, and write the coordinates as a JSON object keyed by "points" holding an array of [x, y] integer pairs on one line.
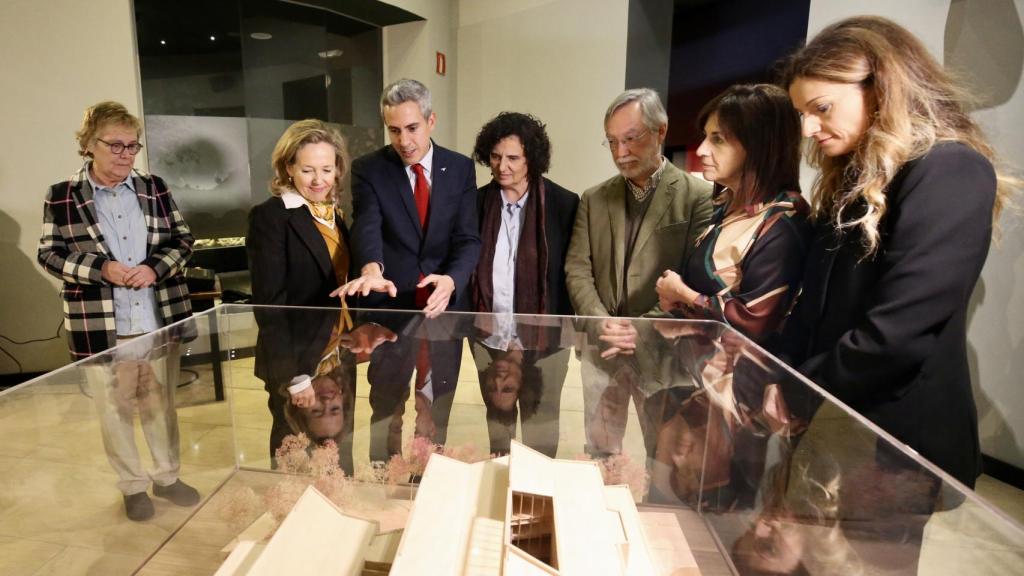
{"points": [[138, 506], [180, 493]]}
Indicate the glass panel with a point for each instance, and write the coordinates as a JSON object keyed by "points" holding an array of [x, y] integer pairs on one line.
{"points": [[219, 91], [80, 438], [728, 453]]}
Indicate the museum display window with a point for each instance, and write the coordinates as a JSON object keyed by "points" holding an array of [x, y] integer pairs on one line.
{"points": [[730, 461]]}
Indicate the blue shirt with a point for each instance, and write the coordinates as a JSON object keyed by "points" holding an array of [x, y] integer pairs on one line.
{"points": [[120, 218], [503, 273]]}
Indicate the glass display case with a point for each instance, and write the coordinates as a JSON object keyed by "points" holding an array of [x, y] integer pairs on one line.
{"points": [[755, 468]]}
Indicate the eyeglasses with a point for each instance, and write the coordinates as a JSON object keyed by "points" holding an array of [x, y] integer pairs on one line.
{"points": [[117, 147], [628, 141]]}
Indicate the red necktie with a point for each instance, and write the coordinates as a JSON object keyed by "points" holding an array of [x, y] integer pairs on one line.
{"points": [[422, 364], [422, 195]]}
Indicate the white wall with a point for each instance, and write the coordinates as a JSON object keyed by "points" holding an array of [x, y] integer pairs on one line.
{"points": [[57, 57], [986, 30], [560, 60], [536, 56], [410, 52]]}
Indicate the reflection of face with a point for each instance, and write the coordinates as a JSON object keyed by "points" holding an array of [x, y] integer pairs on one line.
{"points": [[425, 425], [638, 159], [721, 156], [109, 168], [326, 418], [505, 382], [835, 114], [683, 448], [409, 131], [771, 545], [314, 172], [508, 164]]}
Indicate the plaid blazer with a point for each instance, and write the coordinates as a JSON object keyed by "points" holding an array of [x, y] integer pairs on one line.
{"points": [[72, 248]]}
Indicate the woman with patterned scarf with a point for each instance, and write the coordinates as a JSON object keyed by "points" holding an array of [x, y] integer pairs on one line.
{"points": [[747, 266]]}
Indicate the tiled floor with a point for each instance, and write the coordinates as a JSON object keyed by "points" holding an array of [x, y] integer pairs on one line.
{"points": [[60, 512]]}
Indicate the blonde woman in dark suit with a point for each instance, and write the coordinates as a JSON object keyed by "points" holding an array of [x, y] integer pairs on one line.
{"points": [[299, 252]]}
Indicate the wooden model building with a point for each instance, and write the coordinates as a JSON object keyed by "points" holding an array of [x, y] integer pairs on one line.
{"points": [[315, 538], [521, 515]]}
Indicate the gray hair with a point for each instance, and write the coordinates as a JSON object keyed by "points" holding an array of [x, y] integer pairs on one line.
{"points": [[406, 90], [650, 105]]}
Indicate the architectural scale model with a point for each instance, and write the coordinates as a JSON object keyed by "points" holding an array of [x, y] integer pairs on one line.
{"points": [[521, 515]]}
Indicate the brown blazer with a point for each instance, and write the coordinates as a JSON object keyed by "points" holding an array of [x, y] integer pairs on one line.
{"points": [[595, 264]]}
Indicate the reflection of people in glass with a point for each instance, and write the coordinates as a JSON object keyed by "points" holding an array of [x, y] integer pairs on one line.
{"points": [[712, 449], [114, 236], [905, 204], [525, 223], [798, 529], [316, 396], [747, 265], [526, 385], [397, 351]]}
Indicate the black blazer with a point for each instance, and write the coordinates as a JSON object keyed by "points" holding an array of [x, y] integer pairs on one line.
{"points": [[288, 258], [559, 215], [386, 225], [888, 335], [290, 266]]}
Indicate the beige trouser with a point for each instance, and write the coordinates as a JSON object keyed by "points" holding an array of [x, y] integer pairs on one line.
{"points": [[143, 379]]}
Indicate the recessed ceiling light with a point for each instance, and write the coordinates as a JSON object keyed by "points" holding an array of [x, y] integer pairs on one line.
{"points": [[260, 36], [212, 38], [330, 53], [163, 42]]}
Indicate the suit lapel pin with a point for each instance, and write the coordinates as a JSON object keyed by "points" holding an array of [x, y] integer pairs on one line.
{"points": [[443, 168]]}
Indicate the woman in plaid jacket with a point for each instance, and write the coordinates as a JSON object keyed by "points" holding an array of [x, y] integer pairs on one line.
{"points": [[117, 240], [78, 247]]}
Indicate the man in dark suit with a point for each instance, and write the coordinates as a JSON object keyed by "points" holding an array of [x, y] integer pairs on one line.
{"points": [[414, 239]]}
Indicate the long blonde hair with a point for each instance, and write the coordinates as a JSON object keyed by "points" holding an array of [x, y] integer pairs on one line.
{"points": [[918, 105]]}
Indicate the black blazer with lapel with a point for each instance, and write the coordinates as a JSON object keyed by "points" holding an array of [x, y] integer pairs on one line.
{"points": [[559, 216], [290, 266], [888, 335], [386, 225], [288, 258]]}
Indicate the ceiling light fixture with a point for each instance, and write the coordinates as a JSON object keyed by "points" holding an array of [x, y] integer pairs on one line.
{"points": [[331, 53], [261, 36], [212, 38]]}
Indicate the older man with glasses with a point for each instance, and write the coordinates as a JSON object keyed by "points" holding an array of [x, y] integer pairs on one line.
{"points": [[629, 229]]}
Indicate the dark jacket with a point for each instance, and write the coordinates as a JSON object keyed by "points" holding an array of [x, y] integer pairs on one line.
{"points": [[288, 258], [290, 266], [888, 335], [386, 225], [559, 213]]}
